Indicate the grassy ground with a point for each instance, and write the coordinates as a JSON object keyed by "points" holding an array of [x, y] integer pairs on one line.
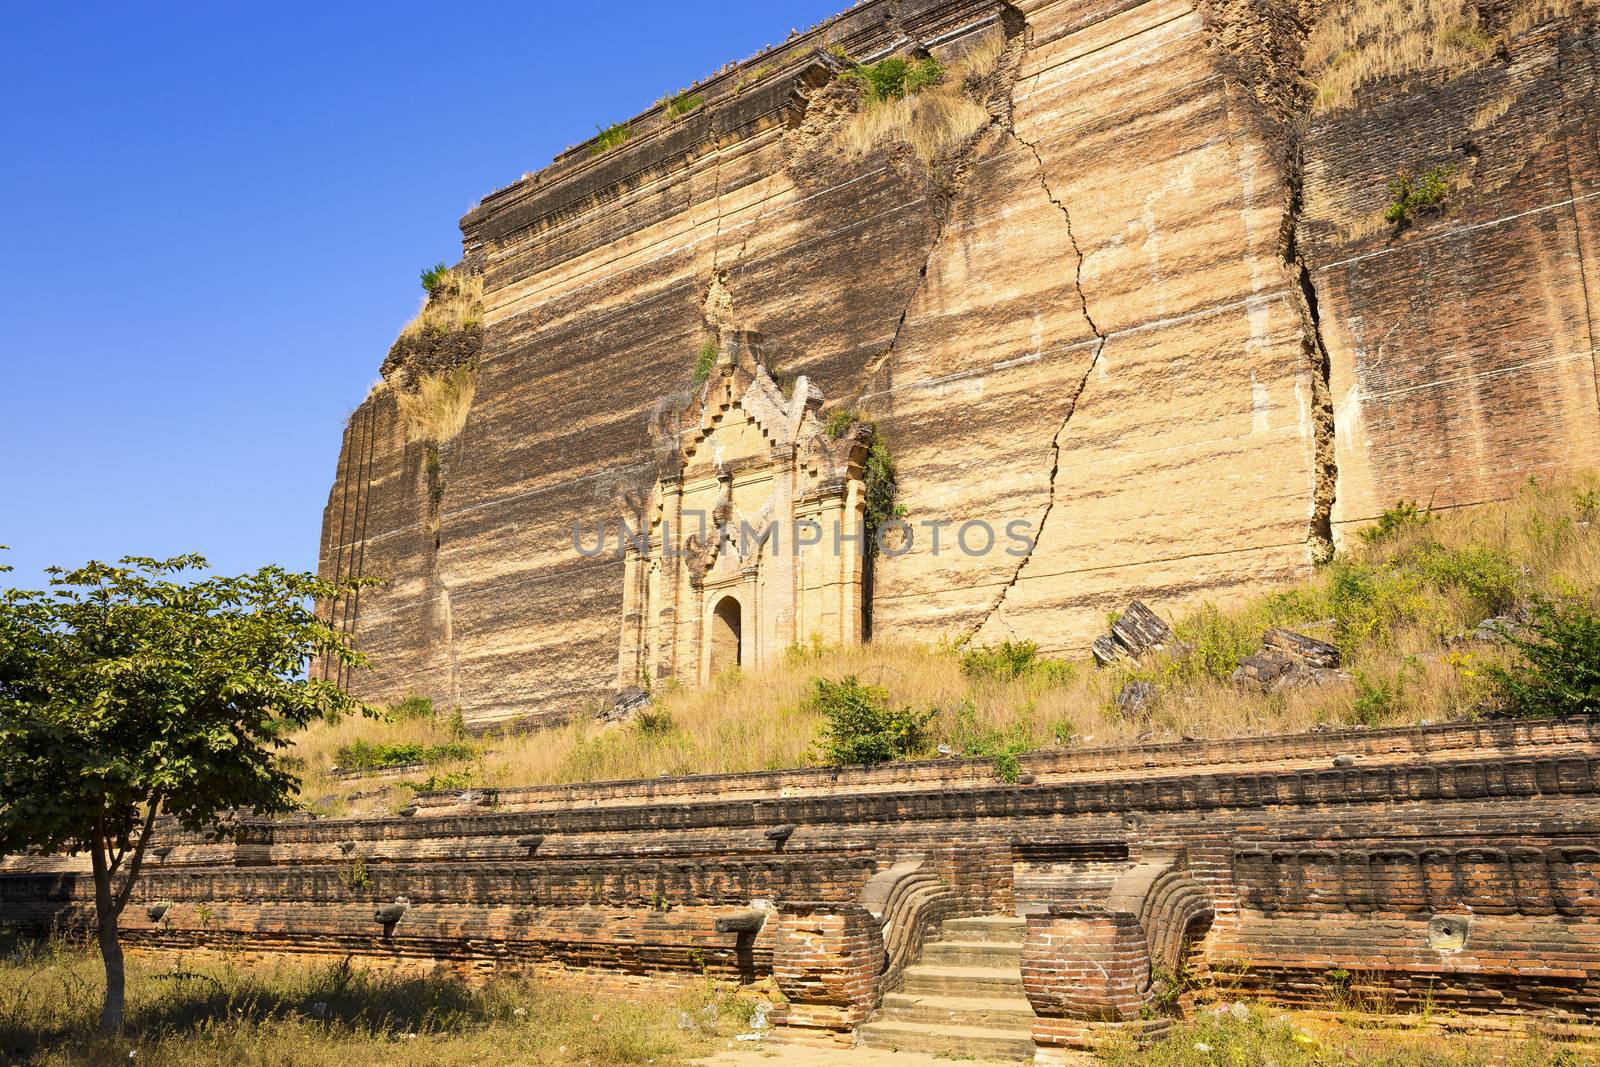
{"points": [[1244, 1035], [216, 1013], [1398, 602]]}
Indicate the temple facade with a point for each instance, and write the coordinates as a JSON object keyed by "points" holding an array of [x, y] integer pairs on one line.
{"points": [[752, 538]]}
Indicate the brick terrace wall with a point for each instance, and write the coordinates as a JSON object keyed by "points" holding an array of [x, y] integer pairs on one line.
{"points": [[1452, 864]]}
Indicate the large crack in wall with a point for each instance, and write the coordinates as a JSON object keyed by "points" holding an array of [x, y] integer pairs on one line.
{"points": [[1260, 44], [1325, 480], [947, 178], [1083, 382]]}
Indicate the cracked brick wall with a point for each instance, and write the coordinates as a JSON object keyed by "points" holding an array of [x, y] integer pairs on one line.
{"points": [[1146, 311]]}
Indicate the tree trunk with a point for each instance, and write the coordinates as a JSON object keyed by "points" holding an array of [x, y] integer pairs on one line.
{"points": [[106, 914], [116, 983]]}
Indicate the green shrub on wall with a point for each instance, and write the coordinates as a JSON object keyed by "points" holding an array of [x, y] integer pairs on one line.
{"points": [[895, 78], [860, 726]]}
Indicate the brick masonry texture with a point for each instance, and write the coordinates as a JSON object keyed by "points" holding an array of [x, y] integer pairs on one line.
{"points": [[1152, 310], [1454, 866]]}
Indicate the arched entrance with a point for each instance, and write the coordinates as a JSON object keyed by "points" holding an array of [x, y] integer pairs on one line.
{"points": [[727, 636]]}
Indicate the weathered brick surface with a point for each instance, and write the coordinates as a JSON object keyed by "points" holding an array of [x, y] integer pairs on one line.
{"points": [[1455, 865], [827, 960], [1089, 964], [1095, 321]]}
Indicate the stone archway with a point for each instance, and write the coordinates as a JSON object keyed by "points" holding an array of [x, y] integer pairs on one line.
{"points": [[727, 635], [753, 498]]}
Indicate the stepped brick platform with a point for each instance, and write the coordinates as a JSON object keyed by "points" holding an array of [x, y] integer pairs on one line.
{"points": [[932, 906], [965, 998]]}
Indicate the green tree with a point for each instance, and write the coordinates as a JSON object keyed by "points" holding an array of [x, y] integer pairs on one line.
{"points": [[133, 691], [1559, 668]]}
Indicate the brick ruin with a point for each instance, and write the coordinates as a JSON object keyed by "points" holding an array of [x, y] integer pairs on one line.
{"points": [[1451, 867], [1145, 308], [1150, 308]]}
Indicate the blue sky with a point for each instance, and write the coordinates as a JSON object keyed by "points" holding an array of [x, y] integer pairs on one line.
{"points": [[214, 217]]}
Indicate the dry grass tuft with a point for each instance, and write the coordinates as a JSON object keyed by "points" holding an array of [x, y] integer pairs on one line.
{"points": [[1493, 111], [1358, 42], [1259, 1034], [435, 407], [1361, 41], [1531, 13], [938, 118], [457, 306], [1398, 608]]}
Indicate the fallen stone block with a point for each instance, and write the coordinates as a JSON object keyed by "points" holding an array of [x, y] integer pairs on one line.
{"points": [[1140, 631], [1136, 697], [1307, 650]]}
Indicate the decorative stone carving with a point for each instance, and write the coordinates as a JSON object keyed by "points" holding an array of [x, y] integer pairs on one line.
{"points": [[750, 538]]}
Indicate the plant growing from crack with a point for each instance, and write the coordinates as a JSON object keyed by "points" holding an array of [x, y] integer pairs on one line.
{"points": [[1413, 195], [680, 104], [879, 476], [895, 78], [705, 363]]}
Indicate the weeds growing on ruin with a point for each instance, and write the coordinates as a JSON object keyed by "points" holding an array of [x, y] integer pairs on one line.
{"points": [[435, 408], [1404, 605], [705, 363], [435, 278], [434, 400], [454, 304], [895, 78], [1415, 195], [364, 755], [1558, 670], [680, 104], [1360, 42], [1258, 1034], [879, 484], [929, 106], [860, 726], [1012, 659], [609, 137]]}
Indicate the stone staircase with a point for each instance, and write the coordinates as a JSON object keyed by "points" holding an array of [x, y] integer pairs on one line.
{"points": [[964, 998]]}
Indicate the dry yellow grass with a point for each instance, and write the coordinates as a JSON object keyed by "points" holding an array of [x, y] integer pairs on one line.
{"points": [[316, 752], [434, 408], [936, 119], [1357, 42], [1361, 41], [1397, 609], [1493, 111], [219, 1012], [1531, 13], [1247, 1033], [458, 306]]}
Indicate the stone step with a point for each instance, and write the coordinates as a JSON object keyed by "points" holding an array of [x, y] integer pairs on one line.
{"points": [[950, 1041], [997, 1013], [1003, 928], [972, 954], [933, 980]]}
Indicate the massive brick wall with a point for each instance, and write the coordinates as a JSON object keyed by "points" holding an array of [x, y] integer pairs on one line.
{"points": [[1450, 865], [1462, 355], [1140, 311]]}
